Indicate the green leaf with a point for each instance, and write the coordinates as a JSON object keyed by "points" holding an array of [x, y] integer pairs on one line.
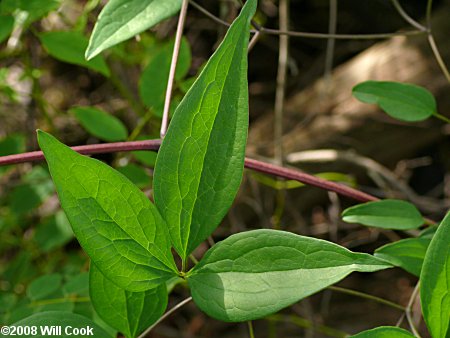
{"points": [[12, 144], [384, 332], [402, 101], [66, 320], [435, 282], [407, 254], [153, 81], [253, 274], [69, 47], [35, 9], [100, 124], [113, 220], [24, 198], [6, 26], [123, 19], [145, 157], [54, 232], [386, 214], [136, 174], [200, 163], [44, 286], [128, 312], [77, 285]]}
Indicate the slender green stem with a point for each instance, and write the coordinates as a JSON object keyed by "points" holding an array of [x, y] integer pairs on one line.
{"points": [[251, 332], [141, 124], [367, 296], [307, 324], [193, 259], [442, 117]]}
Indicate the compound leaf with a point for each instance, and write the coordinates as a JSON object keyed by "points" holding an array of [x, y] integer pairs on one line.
{"points": [[69, 47], [384, 332], [200, 164], [100, 124], [386, 214], [115, 223], [128, 312], [435, 282], [253, 274], [401, 101], [122, 19], [66, 320]]}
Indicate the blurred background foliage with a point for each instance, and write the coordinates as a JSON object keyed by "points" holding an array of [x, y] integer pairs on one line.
{"points": [[46, 83]]}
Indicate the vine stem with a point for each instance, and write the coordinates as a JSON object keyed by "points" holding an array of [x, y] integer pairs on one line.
{"points": [[173, 67], [367, 296], [263, 167], [311, 35], [251, 332], [164, 316]]}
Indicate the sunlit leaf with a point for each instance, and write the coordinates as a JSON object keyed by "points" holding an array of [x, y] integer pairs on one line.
{"points": [[200, 163], [115, 223], [128, 312], [435, 282], [252, 274], [123, 19]]}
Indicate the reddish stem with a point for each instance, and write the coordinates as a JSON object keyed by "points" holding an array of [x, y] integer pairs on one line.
{"points": [[260, 166]]}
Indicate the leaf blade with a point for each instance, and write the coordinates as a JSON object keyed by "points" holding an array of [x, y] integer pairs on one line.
{"points": [[407, 254], [386, 214], [435, 282], [100, 124], [69, 47], [122, 19], [200, 163], [252, 274], [112, 219], [128, 312], [402, 101]]}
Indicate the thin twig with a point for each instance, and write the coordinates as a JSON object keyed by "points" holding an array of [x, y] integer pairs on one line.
{"points": [[438, 58], [256, 165], [408, 310], [330, 42], [367, 296], [164, 316], [310, 35], [173, 67], [407, 17], [281, 81], [433, 44], [254, 40]]}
